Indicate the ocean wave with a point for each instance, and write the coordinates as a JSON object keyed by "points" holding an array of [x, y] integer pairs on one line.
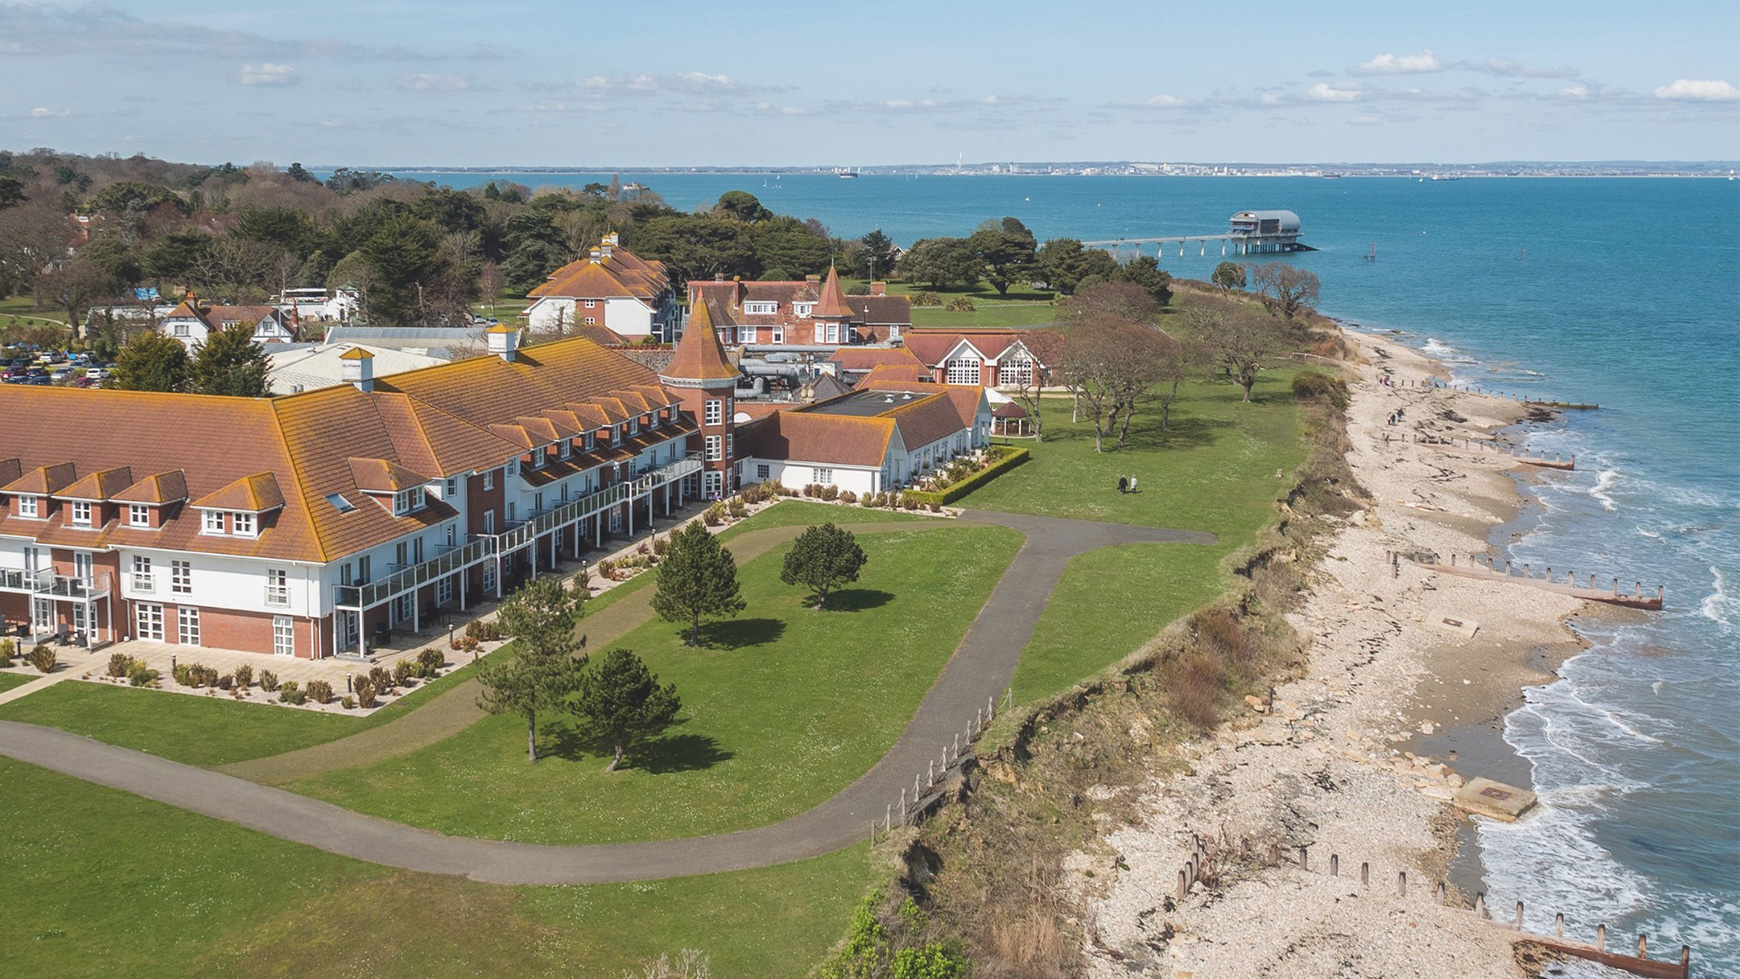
{"points": [[1718, 606], [1439, 350], [1604, 482]]}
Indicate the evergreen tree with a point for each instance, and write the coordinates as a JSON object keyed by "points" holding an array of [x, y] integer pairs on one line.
{"points": [[879, 253], [622, 702], [540, 617], [1229, 276], [151, 362], [697, 577], [230, 362], [823, 558]]}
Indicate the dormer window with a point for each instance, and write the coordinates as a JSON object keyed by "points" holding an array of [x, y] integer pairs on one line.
{"points": [[408, 501], [802, 309], [211, 522], [81, 513], [138, 515], [760, 309], [243, 524], [567, 448], [538, 457], [27, 507], [591, 442], [617, 433], [634, 426]]}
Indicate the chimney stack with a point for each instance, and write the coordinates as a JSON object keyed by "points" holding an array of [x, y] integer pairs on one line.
{"points": [[357, 366], [878, 288], [504, 341], [597, 254]]}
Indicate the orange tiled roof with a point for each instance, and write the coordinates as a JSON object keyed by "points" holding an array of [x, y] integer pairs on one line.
{"points": [[383, 476], [699, 355], [866, 358], [158, 488], [254, 493], [804, 437], [620, 273], [833, 301], [43, 480], [100, 485], [10, 469]]}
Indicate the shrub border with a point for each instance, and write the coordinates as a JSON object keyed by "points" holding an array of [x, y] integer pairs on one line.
{"points": [[955, 491]]}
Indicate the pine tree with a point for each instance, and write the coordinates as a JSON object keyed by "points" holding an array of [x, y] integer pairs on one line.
{"points": [[823, 558], [697, 577], [151, 362], [622, 702], [230, 362], [540, 617]]}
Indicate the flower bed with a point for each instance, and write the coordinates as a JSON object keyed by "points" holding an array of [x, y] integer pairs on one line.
{"points": [[949, 488]]}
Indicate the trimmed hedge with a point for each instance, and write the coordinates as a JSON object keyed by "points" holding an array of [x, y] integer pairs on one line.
{"points": [[955, 491]]}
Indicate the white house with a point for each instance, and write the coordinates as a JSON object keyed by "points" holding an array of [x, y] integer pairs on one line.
{"points": [[192, 322], [612, 288]]}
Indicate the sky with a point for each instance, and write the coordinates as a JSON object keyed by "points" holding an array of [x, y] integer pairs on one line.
{"points": [[681, 83]]}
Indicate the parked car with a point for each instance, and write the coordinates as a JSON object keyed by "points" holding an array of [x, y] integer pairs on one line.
{"points": [[97, 374], [61, 374]]}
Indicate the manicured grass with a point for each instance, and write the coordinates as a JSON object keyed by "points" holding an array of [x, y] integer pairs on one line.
{"points": [[10, 680], [21, 311], [787, 707], [799, 513], [985, 313], [208, 731], [1214, 470], [1108, 604], [101, 882]]}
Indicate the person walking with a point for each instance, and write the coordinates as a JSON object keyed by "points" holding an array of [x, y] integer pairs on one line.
{"points": [[1123, 485], [1132, 484]]}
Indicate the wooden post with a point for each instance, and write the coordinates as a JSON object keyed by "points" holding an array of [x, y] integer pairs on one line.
{"points": [[1274, 854], [1183, 886], [1559, 925], [1365, 874], [1438, 894], [1685, 962], [1601, 938], [1642, 946], [1519, 912], [1334, 865], [1401, 883], [903, 803], [1304, 859], [1480, 904]]}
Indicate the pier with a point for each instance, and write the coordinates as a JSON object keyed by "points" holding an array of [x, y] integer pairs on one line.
{"points": [[1248, 233]]}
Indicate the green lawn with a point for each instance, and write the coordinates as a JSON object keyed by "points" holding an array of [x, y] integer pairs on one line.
{"points": [[1214, 471], [208, 731], [986, 313], [99, 882], [798, 513], [786, 708], [10, 680]]}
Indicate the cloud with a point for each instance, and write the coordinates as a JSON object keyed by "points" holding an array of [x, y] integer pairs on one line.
{"points": [[426, 82], [1167, 102], [1689, 90], [42, 113], [1320, 73], [915, 106], [267, 73], [1516, 69], [1367, 120], [1339, 92], [1576, 93], [1423, 63]]}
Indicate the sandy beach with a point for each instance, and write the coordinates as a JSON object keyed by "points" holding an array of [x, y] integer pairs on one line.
{"points": [[1410, 673]]}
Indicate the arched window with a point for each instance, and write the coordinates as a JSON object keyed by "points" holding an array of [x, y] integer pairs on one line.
{"points": [[963, 372]]}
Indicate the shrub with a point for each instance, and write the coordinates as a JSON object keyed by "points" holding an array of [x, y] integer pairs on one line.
{"points": [[404, 671], [870, 500], [204, 676], [347, 702], [8, 649], [717, 513], [365, 694], [926, 299], [381, 678], [244, 676], [661, 545], [936, 508], [292, 693], [183, 674], [960, 304], [319, 691], [1002, 459], [139, 675], [847, 496], [1311, 385], [483, 631], [468, 644], [120, 664], [830, 492], [738, 509], [431, 661], [226, 681], [642, 548], [268, 681], [607, 568], [1194, 690]]}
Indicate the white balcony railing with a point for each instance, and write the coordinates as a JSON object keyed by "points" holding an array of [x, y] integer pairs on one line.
{"points": [[278, 596], [143, 582]]}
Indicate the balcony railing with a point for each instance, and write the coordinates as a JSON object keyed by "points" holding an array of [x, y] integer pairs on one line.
{"points": [[143, 582], [561, 515], [33, 582], [278, 596], [397, 583], [78, 588]]}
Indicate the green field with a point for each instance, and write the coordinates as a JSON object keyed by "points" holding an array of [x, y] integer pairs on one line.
{"points": [[787, 706], [99, 882]]}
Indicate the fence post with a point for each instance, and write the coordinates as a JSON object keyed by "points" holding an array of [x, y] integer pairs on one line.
{"points": [[1334, 865], [902, 803], [1519, 912], [1401, 883], [1438, 894], [1601, 938], [1304, 859], [1642, 946], [1685, 962], [1365, 874], [931, 780], [1559, 925], [1183, 886], [1480, 904]]}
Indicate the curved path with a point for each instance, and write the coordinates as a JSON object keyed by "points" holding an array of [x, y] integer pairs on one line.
{"points": [[981, 668]]}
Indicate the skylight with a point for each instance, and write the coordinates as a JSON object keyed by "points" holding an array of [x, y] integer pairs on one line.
{"points": [[339, 503]]}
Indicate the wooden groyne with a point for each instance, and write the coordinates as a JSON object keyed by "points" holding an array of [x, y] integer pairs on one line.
{"points": [[1522, 399], [1487, 449], [1201, 867], [1474, 568]]}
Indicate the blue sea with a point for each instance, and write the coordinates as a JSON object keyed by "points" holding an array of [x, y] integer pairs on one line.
{"points": [[1622, 292]]}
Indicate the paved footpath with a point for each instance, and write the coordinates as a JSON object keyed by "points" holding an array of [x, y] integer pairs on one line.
{"points": [[981, 668]]}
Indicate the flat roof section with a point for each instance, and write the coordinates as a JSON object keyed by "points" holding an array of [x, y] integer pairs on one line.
{"points": [[866, 404]]}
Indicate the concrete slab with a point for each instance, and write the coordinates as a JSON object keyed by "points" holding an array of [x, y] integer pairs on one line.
{"points": [[1456, 625], [1495, 800]]}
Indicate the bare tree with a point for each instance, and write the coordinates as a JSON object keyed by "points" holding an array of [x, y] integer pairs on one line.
{"points": [[1236, 339], [1125, 299], [33, 237], [1285, 289], [1110, 364], [1044, 370]]}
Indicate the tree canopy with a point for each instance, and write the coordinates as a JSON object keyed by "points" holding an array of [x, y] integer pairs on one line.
{"points": [[151, 362], [229, 362], [1228, 276], [1284, 288], [697, 579], [821, 559], [1006, 251], [543, 670], [621, 702]]}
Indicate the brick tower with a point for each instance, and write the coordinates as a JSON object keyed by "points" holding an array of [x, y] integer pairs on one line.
{"points": [[702, 376], [833, 318]]}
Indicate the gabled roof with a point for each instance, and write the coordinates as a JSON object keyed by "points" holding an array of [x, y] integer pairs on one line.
{"points": [[699, 355], [611, 271], [10, 469], [866, 358], [904, 374], [383, 476], [934, 346], [100, 485], [156, 489], [254, 493], [799, 436], [43, 480], [893, 310], [833, 302]]}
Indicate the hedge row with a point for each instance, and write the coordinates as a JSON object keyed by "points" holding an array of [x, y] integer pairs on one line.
{"points": [[955, 491]]}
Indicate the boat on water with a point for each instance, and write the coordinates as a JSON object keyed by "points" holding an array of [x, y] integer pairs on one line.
{"points": [[846, 174]]}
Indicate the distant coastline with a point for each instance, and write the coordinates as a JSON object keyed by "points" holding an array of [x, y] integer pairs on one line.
{"points": [[1713, 169]]}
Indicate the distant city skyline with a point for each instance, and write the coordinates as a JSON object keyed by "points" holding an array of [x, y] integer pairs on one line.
{"points": [[681, 83]]}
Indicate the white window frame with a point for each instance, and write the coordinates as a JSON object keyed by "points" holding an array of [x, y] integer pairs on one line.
{"points": [[187, 625], [489, 577], [489, 521], [746, 333], [181, 577], [489, 479], [802, 310], [591, 441], [81, 513], [277, 587], [29, 508], [444, 590], [591, 304], [148, 621], [821, 333], [715, 448], [538, 457], [712, 484], [824, 476], [763, 471], [761, 309], [961, 368], [283, 635], [714, 412], [138, 515], [451, 491], [244, 524], [777, 334], [211, 522]]}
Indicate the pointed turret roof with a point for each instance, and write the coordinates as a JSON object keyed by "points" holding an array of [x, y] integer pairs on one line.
{"points": [[700, 356], [833, 302]]}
